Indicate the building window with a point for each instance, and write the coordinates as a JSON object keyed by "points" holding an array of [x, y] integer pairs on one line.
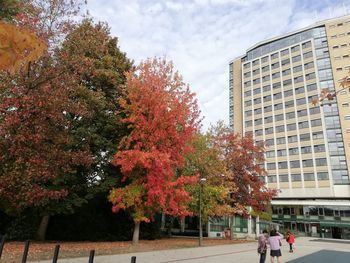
{"points": [[290, 115], [306, 44], [305, 137], [270, 154], [296, 58], [286, 72], [293, 151], [309, 177], [283, 178], [317, 135], [302, 113], [256, 81], [288, 93], [295, 177], [309, 65], [270, 142], [267, 98], [279, 117], [280, 128], [295, 48], [248, 113], [257, 121], [265, 69], [266, 88], [282, 165], [287, 82], [293, 138], [346, 104], [298, 79], [264, 59], [307, 55], [319, 148], [275, 75], [281, 140], [321, 162], [282, 152], [268, 108], [303, 124], [268, 130], [307, 163], [306, 149], [258, 111], [316, 123], [275, 65], [272, 179], [271, 166], [274, 56], [277, 96], [285, 52], [311, 87], [258, 132], [301, 101], [276, 85], [285, 62], [295, 164], [291, 127], [248, 124], [256, 62], [278, 106], [310, 76], [300, 90], [257, 91], [314, 110], [268, 119], [297, 69], [322, 176]]}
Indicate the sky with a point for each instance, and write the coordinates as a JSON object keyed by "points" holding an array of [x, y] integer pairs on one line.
{"points": [[201, 37]]}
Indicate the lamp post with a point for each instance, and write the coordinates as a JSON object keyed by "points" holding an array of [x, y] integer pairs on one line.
{"points": [[201, 181]]}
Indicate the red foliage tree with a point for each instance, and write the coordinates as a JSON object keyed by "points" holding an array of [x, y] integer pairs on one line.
{"points": [[242, 159], [163, 117]]}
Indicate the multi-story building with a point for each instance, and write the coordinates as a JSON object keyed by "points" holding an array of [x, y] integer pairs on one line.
{"points": [[272, 87]]}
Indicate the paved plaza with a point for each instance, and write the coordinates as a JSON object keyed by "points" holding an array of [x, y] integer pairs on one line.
{"points": [[308, 250]]}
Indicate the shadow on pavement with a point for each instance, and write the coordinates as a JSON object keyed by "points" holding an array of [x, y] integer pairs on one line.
{"points": [[339, 241], [324, 256]]}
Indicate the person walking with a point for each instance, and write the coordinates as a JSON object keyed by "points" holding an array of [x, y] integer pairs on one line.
{"points": [[262, 246], [290, 241], [275, 246]]}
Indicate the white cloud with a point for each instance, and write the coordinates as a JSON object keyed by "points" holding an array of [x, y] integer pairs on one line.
{"points": [[202, 36]]}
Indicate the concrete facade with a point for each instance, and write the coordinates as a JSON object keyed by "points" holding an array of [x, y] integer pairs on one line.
{"points": [[272, 88]]}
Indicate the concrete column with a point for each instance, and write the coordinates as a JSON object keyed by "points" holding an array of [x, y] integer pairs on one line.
{"points": [[257, 226], [250, 226]]}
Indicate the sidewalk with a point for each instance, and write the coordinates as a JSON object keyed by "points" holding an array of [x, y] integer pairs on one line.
{"points": [[308, 250]]}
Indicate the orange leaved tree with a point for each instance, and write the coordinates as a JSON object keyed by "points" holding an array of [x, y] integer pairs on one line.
{"points": [[163, 117]]}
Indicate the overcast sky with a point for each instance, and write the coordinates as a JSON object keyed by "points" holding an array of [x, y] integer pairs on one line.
{"points": [[202, 36]]}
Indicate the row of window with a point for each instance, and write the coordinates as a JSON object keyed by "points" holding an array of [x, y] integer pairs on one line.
{"points": [[340, 35], [287, 104], [339, 24], [294, 138], [287, 93], [296, 164], [285, 72], [335, 211], [276, 54], [322, 75], [290, 127], [294, 151], [282, 178]]}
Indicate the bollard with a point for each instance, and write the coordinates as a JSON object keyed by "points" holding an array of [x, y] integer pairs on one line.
{"points": [[133, 259], [25, 252], [2, 243], [92, 254], [55, 254]]}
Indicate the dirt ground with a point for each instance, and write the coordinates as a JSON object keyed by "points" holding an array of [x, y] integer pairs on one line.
{"points": [[44, 250]]}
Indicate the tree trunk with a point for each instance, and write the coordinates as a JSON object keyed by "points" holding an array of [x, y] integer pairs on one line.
{"points": [[136, 235], [41, 233]]}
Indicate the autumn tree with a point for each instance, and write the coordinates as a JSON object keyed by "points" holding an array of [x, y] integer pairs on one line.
{"points": [[243, 159], [163, 117], [205, 160]]}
